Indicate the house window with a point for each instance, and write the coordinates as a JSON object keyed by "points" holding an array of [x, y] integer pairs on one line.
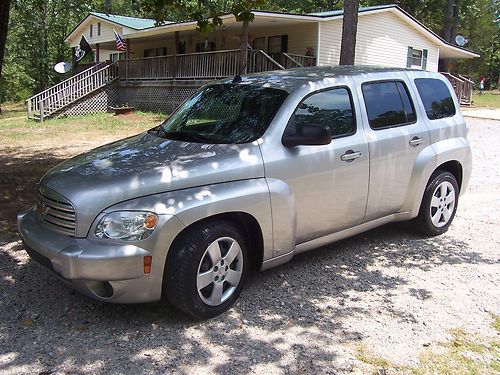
{"points": [[161, 51], [154, 52], [117, 56], [181, 47], [98, 28], [91, 30], [205, 46], [416, 58], [277, 44], [259, 43]]}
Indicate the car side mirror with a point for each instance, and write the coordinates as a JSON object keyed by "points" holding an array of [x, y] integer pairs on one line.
{"points": [[311, 135]]}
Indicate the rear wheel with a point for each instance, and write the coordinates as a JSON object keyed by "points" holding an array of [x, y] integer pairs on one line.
{"points": [[439, 204], [206, 269]]}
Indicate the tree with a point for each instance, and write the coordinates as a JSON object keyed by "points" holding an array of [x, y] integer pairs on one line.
{"points": [[208, 13], [349, 31], [4, 25]]}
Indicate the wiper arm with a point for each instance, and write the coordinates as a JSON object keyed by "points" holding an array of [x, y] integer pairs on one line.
{"points": [[157, 130], [187, 136]]}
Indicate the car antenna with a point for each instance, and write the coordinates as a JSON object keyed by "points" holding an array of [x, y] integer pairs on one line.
{"points": [[237, 77]]}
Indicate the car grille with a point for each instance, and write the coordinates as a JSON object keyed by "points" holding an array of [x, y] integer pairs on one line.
{"points": [[56, 211]]}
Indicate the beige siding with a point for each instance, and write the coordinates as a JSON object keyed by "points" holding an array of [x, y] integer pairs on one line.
{"points": [[106, 35], [382, 39]]}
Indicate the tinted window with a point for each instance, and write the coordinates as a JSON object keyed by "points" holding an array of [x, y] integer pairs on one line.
{"points": [[332, 108], [388, 104], [224, 113], [436, 97]]}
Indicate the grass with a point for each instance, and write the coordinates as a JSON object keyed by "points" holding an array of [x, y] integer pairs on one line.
{"points": [[488, 99], [464, 353], [17, 130]]}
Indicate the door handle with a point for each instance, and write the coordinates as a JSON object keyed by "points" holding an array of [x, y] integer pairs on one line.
{"points": [[350, 155], [415, 141]]}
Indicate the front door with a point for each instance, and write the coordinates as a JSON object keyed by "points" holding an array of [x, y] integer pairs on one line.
{"points": [[329, 182]]}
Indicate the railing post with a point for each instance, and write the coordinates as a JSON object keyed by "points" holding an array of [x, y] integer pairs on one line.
{"points": [[30, 115], [41, 111]]}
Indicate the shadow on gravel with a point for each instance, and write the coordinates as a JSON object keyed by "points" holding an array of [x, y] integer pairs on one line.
{"points": [[45, 327]]}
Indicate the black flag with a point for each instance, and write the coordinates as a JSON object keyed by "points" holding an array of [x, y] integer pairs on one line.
{"points": [[82, 49]]}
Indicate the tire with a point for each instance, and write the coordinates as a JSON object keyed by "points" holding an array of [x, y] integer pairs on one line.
{"points": [[206, 269], [439, 204]]}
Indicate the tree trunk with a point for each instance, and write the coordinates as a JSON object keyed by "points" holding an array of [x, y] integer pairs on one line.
{"points": [[349, 30], [448, 20], [4, 25], [244, 47]]}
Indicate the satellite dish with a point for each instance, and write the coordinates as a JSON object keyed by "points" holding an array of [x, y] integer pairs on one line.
{"points": [[460, 40], [62, 67]]}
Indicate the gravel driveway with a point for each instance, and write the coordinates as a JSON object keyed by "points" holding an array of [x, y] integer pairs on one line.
{"points": [[388, 291]]}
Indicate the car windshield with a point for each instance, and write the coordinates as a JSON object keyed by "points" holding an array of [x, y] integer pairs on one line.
{"points": [[224, 113]]}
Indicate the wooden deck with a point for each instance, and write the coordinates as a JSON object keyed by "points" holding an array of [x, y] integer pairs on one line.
{"points": [[205, 65]]}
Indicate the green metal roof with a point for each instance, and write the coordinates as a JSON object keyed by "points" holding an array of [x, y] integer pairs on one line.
{"points": [[340, 12], [130, 22]]}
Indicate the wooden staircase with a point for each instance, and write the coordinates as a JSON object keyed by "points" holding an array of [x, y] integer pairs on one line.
{"points": [[48, 102]]}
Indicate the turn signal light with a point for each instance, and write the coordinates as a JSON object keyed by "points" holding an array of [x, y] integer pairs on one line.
{"points": [[147, 263]]}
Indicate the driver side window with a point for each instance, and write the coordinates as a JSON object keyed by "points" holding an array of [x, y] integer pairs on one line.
{"points": [[332, 108]]}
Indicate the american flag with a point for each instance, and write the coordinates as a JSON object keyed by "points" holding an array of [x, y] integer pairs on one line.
{"points": [[121, 45]]}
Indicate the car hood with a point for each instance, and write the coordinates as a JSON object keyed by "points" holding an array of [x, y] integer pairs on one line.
{"points": [[147, 164]]}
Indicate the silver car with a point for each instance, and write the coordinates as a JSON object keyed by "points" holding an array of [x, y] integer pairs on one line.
{"points": [[244, 175]]}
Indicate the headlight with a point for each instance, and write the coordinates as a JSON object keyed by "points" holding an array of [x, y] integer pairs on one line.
{"points": [[127, 225]]}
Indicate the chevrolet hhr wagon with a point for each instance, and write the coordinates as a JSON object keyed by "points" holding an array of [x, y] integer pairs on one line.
{"points": [[245, 174]]}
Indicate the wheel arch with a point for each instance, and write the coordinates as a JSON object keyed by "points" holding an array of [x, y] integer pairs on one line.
{"points": [[455, 168], [244, 221]]}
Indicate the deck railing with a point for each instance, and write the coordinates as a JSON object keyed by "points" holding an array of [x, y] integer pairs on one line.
{"points": [[259, 61], [291, 60], [203, 65], [462, 87], [68, 91]]}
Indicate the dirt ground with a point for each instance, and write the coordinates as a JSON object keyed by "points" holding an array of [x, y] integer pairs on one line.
{"points": [[382, 301]]}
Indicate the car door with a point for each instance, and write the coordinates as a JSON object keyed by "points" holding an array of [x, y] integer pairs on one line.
{"points": [[329, 182], [395, 136]]}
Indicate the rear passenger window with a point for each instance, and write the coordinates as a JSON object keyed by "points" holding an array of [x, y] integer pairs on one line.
{"points": [[388, 104], [332, 108], [437, 99]]}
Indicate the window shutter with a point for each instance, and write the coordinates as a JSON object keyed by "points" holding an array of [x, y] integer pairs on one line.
{"points": [[424, 59], [409, 57]]}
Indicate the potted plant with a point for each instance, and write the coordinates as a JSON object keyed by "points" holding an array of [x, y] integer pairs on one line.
{"points": [[124, 109]]}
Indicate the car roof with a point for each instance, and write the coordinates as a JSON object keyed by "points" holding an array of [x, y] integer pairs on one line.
{"points": [[291, 79]]}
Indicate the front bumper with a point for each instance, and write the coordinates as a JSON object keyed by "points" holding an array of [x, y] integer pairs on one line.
{"points": [[104, 270]]}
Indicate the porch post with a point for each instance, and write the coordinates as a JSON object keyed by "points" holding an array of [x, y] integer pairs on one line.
{"points": [[97, 52], [174, 73], [244, 48], [73, 58], [127, 58]]}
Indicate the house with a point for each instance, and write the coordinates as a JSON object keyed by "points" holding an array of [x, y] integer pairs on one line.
{"points": [[165, 64]]}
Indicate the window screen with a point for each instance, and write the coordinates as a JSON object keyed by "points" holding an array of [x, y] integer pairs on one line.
{"points": [[332, 108], [388, 104], [436, 97]]}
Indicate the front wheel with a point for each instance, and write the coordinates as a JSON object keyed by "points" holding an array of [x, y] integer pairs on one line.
{"points": [[206, 269], [439, 204]]}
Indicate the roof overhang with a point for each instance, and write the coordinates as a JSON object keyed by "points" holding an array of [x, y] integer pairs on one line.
{"points": [[268, 18]]}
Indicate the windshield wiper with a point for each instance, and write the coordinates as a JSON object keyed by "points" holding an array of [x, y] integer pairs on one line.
{"points": [[158, 131], [189, 137]]}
